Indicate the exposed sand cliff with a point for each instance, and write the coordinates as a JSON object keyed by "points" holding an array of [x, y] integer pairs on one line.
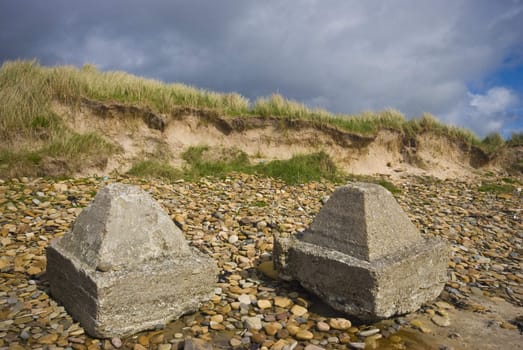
{"points": [[141, 133]]}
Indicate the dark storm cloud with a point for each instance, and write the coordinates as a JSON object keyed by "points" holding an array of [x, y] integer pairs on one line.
{"points": [[346, 56]]}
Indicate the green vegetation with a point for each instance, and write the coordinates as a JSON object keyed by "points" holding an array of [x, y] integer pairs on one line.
{"points": [[155, 168], [516, 139], [301, 168], [496, 188], [510, 180], [518, 165], [492, 142], [202, 162], [389, 186], [62, 156], [35, 141], [380, 181]]}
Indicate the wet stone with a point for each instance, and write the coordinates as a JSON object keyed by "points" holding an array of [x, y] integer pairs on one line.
{"points": [[441, 321]]}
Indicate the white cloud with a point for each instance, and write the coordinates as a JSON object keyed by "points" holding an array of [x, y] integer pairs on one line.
{"points": [[485, 113], [497, 100]]}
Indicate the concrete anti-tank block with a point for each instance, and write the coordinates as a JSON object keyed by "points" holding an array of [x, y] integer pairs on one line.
{"points": [[363, 256], [126, 267]]}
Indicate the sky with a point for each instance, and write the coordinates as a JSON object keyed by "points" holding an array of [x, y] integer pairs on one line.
{"points": [[460, 60]]}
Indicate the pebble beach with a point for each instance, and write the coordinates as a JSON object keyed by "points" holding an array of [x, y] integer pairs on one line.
{"points": [[234, 220]]}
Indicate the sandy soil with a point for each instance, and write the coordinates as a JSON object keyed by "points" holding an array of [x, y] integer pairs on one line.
{"points": [[385, 155]]}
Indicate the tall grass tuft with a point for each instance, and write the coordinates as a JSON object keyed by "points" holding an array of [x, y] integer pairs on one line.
{"points": [[516, 139], [301, 168], [492, 142], [31, 131], [155, 168]]}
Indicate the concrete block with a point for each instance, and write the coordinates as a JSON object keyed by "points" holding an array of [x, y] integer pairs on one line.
{"points": [[126, 267], [363, 256]]}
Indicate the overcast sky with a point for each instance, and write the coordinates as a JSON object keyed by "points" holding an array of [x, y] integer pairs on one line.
{"points": [[459, 60]]}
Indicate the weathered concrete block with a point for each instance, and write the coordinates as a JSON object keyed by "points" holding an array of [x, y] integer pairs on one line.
{"points": [[363, 256], [126, 267]]}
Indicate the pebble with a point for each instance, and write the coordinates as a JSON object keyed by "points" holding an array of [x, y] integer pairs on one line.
{"points": [[334, 340], [322, 326], [264, 304], [48, 339], [344, 338], [244, 299], [24, 335], [282, 302], [117, 342], [235, 342], [252, 323], [313, 347], [340, 323], [304, 335], [357, 345], [416, 323], [368, 332], [440, 320], [272, 328], [508, 325], [298, 310]]}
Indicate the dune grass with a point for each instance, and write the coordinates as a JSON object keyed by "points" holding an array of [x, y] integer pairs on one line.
{"points": [[35, 86], [200, 164], [31, 132], [516, 139], [155, 168], [301, 168]]}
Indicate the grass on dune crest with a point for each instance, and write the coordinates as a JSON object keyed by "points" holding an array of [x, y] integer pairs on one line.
{"points": [[35, 86]]}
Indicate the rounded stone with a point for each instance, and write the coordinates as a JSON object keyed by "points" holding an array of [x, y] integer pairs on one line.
{"points": [[340, 323], [117, 342], [298, 310], [252, 323], [322, 326], [264, 304], [235, 342], [217, 318], [272, 328], [258, 338], [440, 320], [244, 299], [304, 335], [282, 302]]}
